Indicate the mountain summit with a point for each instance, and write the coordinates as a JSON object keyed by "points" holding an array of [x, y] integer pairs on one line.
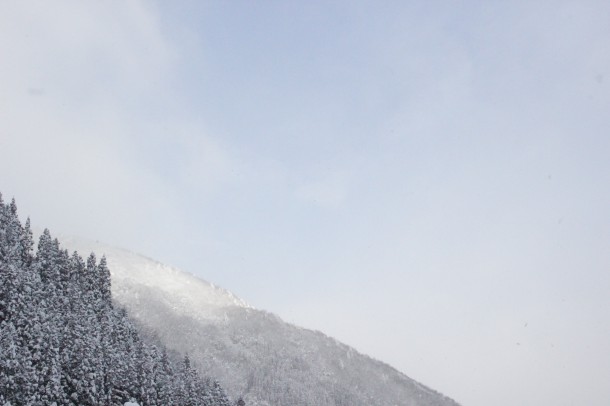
{"points": [[254, 354]]}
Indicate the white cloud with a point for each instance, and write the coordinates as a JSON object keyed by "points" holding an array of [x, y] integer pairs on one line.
{"points": [[75, 85]]}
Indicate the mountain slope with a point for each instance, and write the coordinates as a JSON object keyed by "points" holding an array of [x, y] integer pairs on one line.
{"points": [[254, 353]]}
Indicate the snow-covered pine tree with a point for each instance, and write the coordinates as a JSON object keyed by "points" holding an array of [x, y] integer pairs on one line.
{"points": [[20, 301], [104, 283], [187, 391], [165, 382], [218, 395]]}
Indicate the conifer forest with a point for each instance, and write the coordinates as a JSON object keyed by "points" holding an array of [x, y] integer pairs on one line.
{"points": [[64, 342]]}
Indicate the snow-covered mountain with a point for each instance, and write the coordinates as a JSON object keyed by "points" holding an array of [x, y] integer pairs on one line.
{"points": [[253, 353]]}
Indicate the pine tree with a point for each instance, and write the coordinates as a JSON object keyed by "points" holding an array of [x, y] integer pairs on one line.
{"points": [[104, 282], [219, 397], [19, 319], [11, 358], [186, 388], [165, 380]]}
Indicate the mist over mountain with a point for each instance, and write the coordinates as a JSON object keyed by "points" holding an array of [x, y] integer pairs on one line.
{"points": [[253, 353]]}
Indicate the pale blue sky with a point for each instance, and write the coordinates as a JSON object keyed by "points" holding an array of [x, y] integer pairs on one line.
{"points": [[425, 181]]}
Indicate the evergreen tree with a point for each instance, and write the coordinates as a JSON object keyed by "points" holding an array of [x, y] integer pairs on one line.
{"points": [[219, 397], [104, 281], [165, 380], [187, 394]]}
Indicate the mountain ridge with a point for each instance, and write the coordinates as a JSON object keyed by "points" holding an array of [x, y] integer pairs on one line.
{"points": [[254, 353]]}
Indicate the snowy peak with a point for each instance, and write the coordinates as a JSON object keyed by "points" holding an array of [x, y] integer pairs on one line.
{"points": [[134, 275]]}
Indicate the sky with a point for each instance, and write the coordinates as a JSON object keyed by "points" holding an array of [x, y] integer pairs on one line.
{"points": [[426, 181]]}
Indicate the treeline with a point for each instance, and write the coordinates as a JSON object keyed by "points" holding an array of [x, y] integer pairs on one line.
{"points": [[62, 341]]}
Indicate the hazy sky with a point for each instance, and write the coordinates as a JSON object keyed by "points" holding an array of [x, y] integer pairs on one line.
{"points": [[426, 181]]}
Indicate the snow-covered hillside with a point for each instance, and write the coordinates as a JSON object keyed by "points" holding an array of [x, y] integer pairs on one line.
{"points": [[254, 353], [185, 294]]}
